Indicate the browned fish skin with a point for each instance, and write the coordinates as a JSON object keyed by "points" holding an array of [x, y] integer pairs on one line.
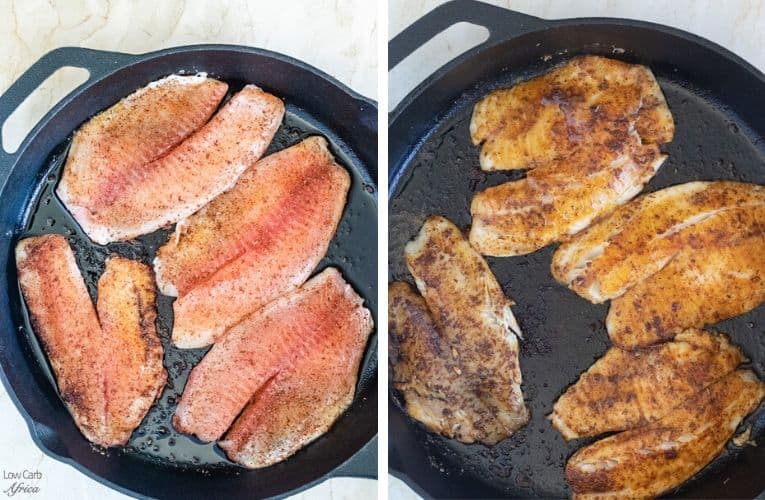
{"points": [[640, 238], [65, 321], [472, 314], [108, 373], [438, 387], [625, 390], [556, 201], [698, 287], [582, 102], [302, 403], [134, 372], [648, 461], [262, 346]]}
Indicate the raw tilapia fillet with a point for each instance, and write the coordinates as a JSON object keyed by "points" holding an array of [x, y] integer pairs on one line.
{"points": [[651, 460], [300, 404], [172, 186], [555, 201], [625, 390], [253, 243], [439, 387], [698, 287], [589, 100], [109, 372], [473, 316], [260, 352], [640, 238]]}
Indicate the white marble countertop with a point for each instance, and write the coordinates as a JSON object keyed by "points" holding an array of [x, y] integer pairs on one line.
{"points": [[339, 37], [736, 25]]}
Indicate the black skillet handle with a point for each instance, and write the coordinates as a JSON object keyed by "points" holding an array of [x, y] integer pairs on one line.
{"points": [[97, 62], [501, 23]]}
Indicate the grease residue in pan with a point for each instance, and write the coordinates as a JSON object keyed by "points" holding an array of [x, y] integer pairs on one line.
{"points": [[353, 250]]}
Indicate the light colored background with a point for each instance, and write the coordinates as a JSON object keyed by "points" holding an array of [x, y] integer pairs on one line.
{"points": [[339, 37], [738, 25]]}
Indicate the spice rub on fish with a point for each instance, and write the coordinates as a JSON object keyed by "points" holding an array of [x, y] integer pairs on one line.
{"points": [[699, 286], [589, 131], [640, 238], [468, 329], [300, 404], [253, 243], [277, 349], [135, 186], [108, 366], [653, 459], [628, 389], [588, 100]]}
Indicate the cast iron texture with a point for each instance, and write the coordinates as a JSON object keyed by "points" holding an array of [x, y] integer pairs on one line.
{"points": [[717, 101], [159, 462]]}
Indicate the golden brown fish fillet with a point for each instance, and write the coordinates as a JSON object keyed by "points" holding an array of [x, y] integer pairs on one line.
{"points": [[582, 102], [119, 142], [698, 287], [134, 374], [628, 389], [174, 186], [108, 373], [300, 404], [473, 315], [253, 243], [265, 345], [439, 387], [640, 238], [557, 200], [648, 461]]}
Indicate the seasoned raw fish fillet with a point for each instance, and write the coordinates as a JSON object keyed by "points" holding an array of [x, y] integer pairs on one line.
{"points": [[557, 200], [253, 243], [698, 287], [174, 186], [133, 369], [648, 461], [300, 404], [589, 100], [473, 316], [640, 238], [65, 321], [119, 142], [108, 374], [264, 347], [440, 388], [625, 390]]}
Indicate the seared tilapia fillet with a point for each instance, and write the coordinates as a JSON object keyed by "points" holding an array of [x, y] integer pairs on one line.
{"points": [[588, 100], [640, 238], [628, 389], [555, 201], [476, 326], [116, 196], [439, 388], [589, 130], [653, 459], [698, 287], [108, 365]]}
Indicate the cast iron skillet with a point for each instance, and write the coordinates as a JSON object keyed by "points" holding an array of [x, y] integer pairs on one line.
{"points": [[158, 461], [718, 101]]}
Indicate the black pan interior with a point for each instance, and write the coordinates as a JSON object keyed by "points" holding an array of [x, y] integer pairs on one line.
{"points": [[563, 333], [158, 460]]}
